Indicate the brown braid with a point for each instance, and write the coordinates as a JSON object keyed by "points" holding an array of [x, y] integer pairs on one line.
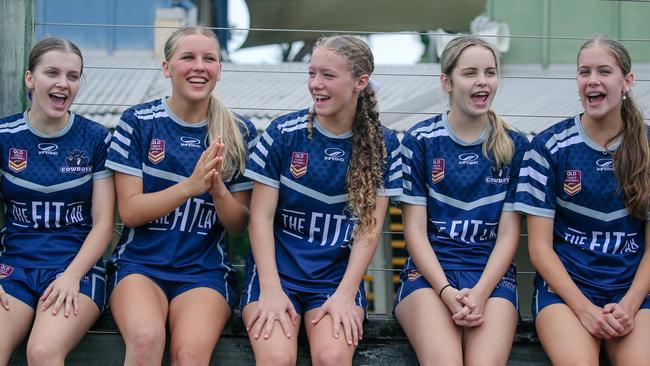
{"points": [[366, 169]]}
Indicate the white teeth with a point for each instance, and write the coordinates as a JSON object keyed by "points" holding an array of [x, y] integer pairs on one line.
{"points": [[197, 80], [58, 95], [594, 94], [321, 97]]}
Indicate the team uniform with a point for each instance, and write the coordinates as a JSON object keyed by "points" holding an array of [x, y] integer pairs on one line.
{"points": [[47, 191], [184, 249], [464, 195], [567, 177], [312, 228]]}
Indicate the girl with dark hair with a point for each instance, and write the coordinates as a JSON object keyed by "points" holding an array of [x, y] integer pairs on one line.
{"points": [[585, 185], [59, 209], [322, 180]]}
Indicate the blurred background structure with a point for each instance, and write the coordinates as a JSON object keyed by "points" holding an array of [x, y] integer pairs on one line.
{"points": [[264, 74]]}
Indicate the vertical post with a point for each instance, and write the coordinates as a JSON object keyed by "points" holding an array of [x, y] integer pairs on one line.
{"points": [[16, 37], [546, 32]]}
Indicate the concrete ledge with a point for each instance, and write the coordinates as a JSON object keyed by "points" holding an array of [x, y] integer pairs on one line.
{"points": [[384, 344]]}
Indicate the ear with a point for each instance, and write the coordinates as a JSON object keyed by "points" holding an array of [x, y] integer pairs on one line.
{"points": [[629, 82], [362, 82], [29, 80], [165, 68], [445, 81]]}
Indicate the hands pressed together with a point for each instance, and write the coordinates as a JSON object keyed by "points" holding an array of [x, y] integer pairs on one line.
{"points": [[206, 176], [466, 305]]}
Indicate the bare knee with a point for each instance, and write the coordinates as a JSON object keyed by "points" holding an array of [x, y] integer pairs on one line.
{"points": [[278, 357], [44, 353], [146, 342], [331, 356], [188, 356]]}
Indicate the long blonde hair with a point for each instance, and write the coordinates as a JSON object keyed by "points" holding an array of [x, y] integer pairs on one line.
{"points": [[632, 157], [221, 121], [499, 142], [366, 169]]}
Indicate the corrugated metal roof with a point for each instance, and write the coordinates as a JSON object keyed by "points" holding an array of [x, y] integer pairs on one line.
{"points": [[529, 97]]}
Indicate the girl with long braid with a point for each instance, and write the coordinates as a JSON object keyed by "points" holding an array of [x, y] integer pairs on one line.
{"points": [[322, 178], [585, 185]]}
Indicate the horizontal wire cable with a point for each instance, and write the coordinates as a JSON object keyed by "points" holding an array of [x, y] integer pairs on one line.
{"points": [[328, 31], [299, 72]]}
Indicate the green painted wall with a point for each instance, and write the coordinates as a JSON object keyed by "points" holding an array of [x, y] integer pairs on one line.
{"points": [[623, 20]]}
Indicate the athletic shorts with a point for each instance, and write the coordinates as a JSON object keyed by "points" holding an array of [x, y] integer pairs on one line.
{"points": [[220, 281], [413, 280], [29, 284], [545, 296], [302, 301]]}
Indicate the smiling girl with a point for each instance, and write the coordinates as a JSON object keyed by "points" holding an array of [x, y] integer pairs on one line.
{"points": [[585, 185], [59, 208], [179, 164], [322, 180], [457, 299]]}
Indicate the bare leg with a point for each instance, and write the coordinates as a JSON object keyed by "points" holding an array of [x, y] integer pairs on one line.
{"points": [[564, 339], [140, 308], [490, 343], [54, 336], [15, 324], [277, 350], [325, 349], [196, 319], [427, 322]]}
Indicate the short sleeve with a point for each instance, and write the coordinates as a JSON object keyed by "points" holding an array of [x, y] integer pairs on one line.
{"points": [[264, 161], [249, 133], [535, 193], [102, 143], [125, 152], [393, 167], [414, 186]]}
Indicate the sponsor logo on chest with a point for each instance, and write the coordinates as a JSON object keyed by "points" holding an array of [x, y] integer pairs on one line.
{"points": [[299, 161], [605, 165], [156, 150], [187, 141], [334, 154], [498, 176], [437, 170], [17, 160], [77, 162], [468, 159], [48, 148], [572, 182]]}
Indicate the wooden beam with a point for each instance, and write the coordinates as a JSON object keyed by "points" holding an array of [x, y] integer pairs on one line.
{"points": [[16, 37]]}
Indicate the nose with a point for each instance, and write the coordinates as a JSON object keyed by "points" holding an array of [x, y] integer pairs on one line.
{"points": [[62, 82], [593, 79], [316, 82], [481, 79], [198, 64]]}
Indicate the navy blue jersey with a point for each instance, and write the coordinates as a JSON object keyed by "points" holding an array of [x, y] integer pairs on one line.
{"points": [[152, 143], [47, 189], [567, 177], [462, 189], [312, 228]]}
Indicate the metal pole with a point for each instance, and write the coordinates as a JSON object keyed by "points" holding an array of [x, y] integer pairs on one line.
{"points": [[16, 37]]}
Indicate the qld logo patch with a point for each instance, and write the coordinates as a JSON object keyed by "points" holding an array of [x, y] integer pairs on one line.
{"points": [[5, 270], [17, 160], [413, 275], [156, 150], [572, 182], [299, 162], [437, 170]]}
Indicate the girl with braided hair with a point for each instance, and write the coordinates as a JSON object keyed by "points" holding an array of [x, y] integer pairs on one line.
{"points": [[322, 178], [457, 299]]}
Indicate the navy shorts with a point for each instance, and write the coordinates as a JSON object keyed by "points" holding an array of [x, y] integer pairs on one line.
{"points": [[302, 301], [545, 296], [28, 284], [220, 281], [413, 280]]}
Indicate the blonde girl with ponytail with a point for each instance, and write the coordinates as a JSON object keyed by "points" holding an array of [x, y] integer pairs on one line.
{"points": [[179, 164], [457, 298]]}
